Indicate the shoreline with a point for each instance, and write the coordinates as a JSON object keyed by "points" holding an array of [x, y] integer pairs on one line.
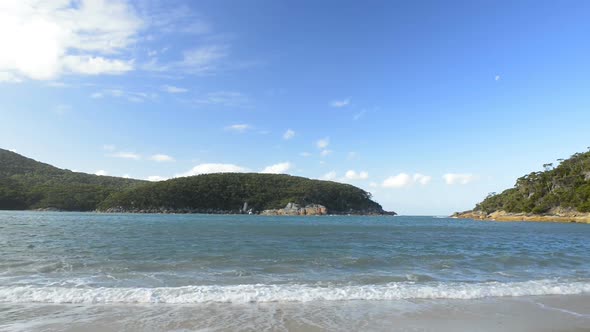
{"points": [[528, 313], [226, 213], [580, 218]]}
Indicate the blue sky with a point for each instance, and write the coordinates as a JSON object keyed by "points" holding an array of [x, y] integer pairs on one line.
{"points": [[429, 105]]}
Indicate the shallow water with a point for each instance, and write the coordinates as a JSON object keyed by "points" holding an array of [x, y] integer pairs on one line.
{"points": [[207, 262]]}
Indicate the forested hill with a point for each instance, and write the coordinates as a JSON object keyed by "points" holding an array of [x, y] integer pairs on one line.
{"points": [[565, 187], [29, 184], [229, 191]]}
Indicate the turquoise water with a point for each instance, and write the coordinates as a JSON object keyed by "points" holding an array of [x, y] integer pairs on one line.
{"points": [[130, 258]]}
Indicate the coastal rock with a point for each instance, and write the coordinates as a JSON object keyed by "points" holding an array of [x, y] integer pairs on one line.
{"points": [[293, 209], [554, 215]]}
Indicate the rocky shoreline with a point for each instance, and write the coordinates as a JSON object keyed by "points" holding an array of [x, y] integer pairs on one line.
{"points": [[291, 209], [554, 216]]}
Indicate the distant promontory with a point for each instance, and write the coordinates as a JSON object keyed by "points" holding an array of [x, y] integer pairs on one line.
{"points": [[26, 184], [559, 193]]}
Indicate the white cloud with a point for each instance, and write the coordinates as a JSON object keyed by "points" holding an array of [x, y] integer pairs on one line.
{"points": [[101, 172], [126, 155], [497, 77], [238, 128], [279, 168], [126, 176], [109, 147], [214, 168], [305, 154], [289, 134], [155, 178], [161, 158], [353, 175], [9, 77], [325, 152], [458, 178], [397, 181], [340, 103], [323, 143], [422, 179], [405, 180], [12, 150], [329, 176], [95, 65], [173, 89], [42, 40], [373, 185]]}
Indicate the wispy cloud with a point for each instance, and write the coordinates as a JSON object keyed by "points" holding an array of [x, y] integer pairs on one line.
{"points": [[279, 168], [422, 179], [109, 147], [340, 103], [161, 158], [208, 168], [239, 128], [305, 154], [203, 59], [176, 20], [497, 78], [126, 155], [222, 98], [325, 152], [289, 134], [173, 89], [459, 178], [330, 176], [322, 143], [57, 84], [132, 96], [62, 109], [359, 115]]}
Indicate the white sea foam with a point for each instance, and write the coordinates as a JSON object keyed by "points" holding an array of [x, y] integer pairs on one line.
{"points": [[288, 293]]}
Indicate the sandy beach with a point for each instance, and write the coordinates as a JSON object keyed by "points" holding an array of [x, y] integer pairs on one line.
{"points": [[542, 313]]}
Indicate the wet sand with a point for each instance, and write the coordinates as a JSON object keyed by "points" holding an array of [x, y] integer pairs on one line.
{"points": [[534, 313]]}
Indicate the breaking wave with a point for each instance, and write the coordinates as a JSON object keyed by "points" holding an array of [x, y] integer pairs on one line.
{"points": [[288, 292]]}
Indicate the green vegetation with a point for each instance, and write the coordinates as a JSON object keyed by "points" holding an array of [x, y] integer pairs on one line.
{"points": [[28, 184], [565, 186], [228, 192]]}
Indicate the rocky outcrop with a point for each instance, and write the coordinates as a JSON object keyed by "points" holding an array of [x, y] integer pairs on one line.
{"points": [[555, 215], [293, 209]]}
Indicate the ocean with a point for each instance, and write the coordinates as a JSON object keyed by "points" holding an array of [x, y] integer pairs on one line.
{"points": [[134, 272]]}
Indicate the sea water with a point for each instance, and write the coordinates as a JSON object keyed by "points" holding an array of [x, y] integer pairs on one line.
{"points": [[215, 270]]}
